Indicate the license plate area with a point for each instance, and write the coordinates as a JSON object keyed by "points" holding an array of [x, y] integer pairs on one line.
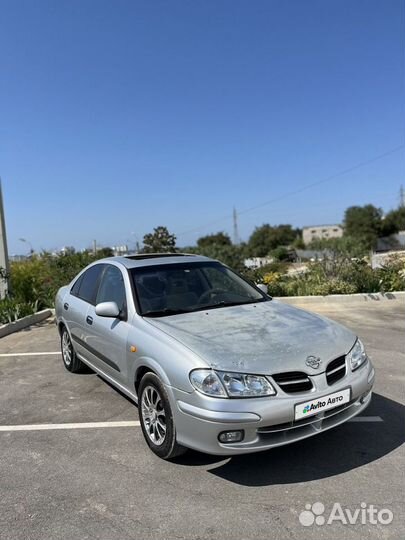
{"points": [[321, 404]]}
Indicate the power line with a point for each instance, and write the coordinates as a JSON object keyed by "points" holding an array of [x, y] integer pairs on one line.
{"points": [[299, 190]]}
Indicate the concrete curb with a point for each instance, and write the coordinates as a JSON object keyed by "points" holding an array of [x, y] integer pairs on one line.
{"points": [[359, 298], [20, 324]]}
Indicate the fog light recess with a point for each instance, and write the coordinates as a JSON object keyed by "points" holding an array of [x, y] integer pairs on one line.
{"points": [[231, 436]]}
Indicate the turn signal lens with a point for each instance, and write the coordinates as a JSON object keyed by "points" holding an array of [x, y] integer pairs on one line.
{"points": [[207, 382]]}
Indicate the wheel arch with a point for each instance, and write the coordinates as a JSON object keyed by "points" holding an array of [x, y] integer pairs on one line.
{"points": [[148, 365], [61, 326]]}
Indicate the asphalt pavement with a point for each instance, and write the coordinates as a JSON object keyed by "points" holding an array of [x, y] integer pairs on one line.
{"points": [[96, 478]]}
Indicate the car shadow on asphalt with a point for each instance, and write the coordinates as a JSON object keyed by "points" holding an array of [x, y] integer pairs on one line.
{"points": [[327, 454]]}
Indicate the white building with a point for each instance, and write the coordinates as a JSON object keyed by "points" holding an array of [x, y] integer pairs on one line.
{"points": [[318, 232], [257, 262], [120, 250]]}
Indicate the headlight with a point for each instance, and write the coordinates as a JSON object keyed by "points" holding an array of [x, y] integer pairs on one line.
{"points": [[357, 355], [224, 384], [242, 385]]}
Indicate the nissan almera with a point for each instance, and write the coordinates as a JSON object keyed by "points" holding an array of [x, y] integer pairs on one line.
{"points": [[213, 362]]}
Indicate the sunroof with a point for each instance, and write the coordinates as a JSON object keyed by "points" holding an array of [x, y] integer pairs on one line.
{"points": [[141, 256]]}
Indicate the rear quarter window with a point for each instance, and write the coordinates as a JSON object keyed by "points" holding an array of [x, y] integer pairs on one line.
{"points": [[76, 286]]}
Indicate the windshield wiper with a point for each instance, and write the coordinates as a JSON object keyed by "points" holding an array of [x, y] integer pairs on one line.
{"points": [[222, 303], [164, 312]]}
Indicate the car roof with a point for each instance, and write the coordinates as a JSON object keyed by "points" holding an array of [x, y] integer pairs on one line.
{"points": [[154, 259]]}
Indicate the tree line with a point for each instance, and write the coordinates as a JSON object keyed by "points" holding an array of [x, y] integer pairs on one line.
{"points": [[362, 226]]}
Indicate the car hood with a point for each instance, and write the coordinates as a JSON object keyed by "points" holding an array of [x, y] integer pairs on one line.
{"points": [[263, 338]]}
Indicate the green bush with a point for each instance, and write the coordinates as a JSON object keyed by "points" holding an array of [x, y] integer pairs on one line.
{"points": [[257, 275], [338, 276], [29, 281], [11, 310], [37, 280], [392, 275]]}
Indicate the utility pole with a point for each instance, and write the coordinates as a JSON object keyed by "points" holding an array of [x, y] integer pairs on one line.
{"points": [[94, 247], [4, 264], [235, 227], [401, 197]]}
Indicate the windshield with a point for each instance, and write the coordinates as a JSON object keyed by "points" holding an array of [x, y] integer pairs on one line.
{"points": [[181, 288]]}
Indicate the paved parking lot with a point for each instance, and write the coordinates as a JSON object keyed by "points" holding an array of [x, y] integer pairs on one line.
{"points": [[101, 481]]}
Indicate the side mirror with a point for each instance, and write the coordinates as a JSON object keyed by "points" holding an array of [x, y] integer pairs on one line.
{"points": [[107, 309], [262, 287]]}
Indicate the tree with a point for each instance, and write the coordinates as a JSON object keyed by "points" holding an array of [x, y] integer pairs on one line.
{"points": [[298, 242], [104, 252], [363, 223], [394, 221], [219, 239], [160, 241], [267, 237], [281, 253], [231, 255]]}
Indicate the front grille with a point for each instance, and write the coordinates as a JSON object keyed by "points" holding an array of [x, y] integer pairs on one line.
{"points": [[336, 370], [293, 381]]}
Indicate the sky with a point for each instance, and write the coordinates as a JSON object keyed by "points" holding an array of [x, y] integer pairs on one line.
{"points": [[119, 116]]}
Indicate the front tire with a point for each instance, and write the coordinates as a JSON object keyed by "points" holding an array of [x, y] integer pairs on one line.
{"points": [[156, 418], [69, 357]]}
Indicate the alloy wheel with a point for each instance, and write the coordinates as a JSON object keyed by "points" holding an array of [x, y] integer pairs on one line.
{"points": [[67, 350], [153, 415]]}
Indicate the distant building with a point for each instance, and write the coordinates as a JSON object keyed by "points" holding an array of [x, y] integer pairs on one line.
{"points": [[120, 250], [391, 243], [257, 262], [320, 232], [17, 258], [387, 248]]}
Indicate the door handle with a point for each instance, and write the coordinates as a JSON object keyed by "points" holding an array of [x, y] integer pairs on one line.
{"points": [[89, 320], [66, 306]]}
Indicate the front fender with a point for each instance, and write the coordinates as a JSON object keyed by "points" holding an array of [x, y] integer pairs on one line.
{"points": [[162, 354], [153, 365]]}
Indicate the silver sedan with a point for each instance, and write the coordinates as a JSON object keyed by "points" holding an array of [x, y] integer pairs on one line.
{"points": [[213, 362]]}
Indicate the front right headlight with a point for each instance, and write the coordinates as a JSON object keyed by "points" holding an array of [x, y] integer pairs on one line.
{"points": [[357, 355], [246, 385], [229, 384]]}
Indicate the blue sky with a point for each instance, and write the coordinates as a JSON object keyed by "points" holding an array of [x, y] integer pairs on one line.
{"points": [[118, 116]]}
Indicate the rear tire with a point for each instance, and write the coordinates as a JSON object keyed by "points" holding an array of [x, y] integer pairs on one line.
{"points": [[69, 357], [156, 417]]}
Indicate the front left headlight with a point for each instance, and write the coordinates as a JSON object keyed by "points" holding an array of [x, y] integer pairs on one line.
{"points": [[357, 355]]}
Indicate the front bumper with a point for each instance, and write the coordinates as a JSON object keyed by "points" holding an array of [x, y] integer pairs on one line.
{"points": [[266, 422]]}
